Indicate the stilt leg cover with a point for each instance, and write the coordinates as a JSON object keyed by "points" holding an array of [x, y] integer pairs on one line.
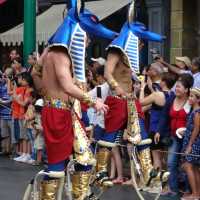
{"points": [[151, 175], [49, 189], [103, 157], [146, 163], [80, 185]]}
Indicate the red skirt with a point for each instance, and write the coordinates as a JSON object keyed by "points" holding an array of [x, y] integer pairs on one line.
{"points": [[58, 133], [117, 116]]}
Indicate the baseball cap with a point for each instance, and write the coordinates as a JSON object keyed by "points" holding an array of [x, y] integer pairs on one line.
{"points": [[39, 102], [99, 60], [184, 59]]}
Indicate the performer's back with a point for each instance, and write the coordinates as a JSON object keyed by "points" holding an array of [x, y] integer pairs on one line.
{"points": [[122, 74], [52, 87]]}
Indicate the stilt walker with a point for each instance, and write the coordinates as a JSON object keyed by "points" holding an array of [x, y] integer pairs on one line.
{"points": [[124, 110], [58, 69]]}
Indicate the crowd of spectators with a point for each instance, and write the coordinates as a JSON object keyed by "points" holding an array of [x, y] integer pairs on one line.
{"points": [[170, 98]]}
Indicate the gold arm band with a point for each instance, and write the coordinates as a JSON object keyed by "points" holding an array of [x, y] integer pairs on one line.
{"points": [[38, 68], [113, 84], [88, 100]]}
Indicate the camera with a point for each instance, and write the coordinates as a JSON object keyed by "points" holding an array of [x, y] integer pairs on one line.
{"points": [[155, 53]]}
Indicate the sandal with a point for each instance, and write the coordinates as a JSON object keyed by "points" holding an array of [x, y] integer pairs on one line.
{"points": [[118, 181]]}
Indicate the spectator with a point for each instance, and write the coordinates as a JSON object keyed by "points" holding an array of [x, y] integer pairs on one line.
{"points": [[154, 73], [32, 59], [21, 98], [13, 55], [17, 66], [39, 139], [196, 71], [97, 62], [191, 145], [29, 120], [182, 65], [156, 101], [137, 85], [175, 114], [91, 80], [5, 112]]}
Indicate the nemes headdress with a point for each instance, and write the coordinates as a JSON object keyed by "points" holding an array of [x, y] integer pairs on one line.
{"points": [[71, 34], [128, 39]]}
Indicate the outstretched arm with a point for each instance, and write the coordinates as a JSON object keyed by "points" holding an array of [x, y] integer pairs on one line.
{"points": [[172, 68], [62, 66]]}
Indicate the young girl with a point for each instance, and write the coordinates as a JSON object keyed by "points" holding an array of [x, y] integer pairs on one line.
{"points": [[191, 145], [29, 119], [39, 139]]}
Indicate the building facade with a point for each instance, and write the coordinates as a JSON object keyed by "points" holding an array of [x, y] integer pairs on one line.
{"points": [[179, 21]]}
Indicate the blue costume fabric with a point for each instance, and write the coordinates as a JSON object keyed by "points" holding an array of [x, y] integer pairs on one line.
{"points": [[128, 42]]}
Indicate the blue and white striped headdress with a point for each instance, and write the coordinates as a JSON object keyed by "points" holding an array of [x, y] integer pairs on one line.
{"points": [[128, 40], [71, 34]]}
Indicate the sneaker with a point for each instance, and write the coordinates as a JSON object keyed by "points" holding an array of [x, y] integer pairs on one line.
{"points": [[18, 158], [25, 158], [30, 161]]}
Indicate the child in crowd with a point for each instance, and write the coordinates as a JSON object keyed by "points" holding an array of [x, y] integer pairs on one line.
{"points": [[191, 146], [21, 98], [39, 139], [29, 120]]}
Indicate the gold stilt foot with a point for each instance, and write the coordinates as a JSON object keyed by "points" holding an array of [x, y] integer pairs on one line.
{"points": [[80, 185], [49, 189], [151, 175], [103, 156]]}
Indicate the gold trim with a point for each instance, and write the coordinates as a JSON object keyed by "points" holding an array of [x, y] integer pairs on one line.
{"points": [[81, 144], [113, 84], [38, 68], [133, 125], [88, 100]]}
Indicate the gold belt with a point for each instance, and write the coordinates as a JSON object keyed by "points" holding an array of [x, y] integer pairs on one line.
{"points": [[124, 97], [57, 103]]}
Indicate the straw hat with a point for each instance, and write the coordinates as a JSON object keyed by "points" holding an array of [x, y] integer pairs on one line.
{"points": [[195, 91], [185, 59]]}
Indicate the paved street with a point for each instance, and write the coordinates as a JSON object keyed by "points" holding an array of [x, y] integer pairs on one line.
{"points": [[14, 177]]}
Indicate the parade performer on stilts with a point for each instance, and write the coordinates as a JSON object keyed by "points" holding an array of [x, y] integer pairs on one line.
{"points": [[61, 63], [124, 110]]}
